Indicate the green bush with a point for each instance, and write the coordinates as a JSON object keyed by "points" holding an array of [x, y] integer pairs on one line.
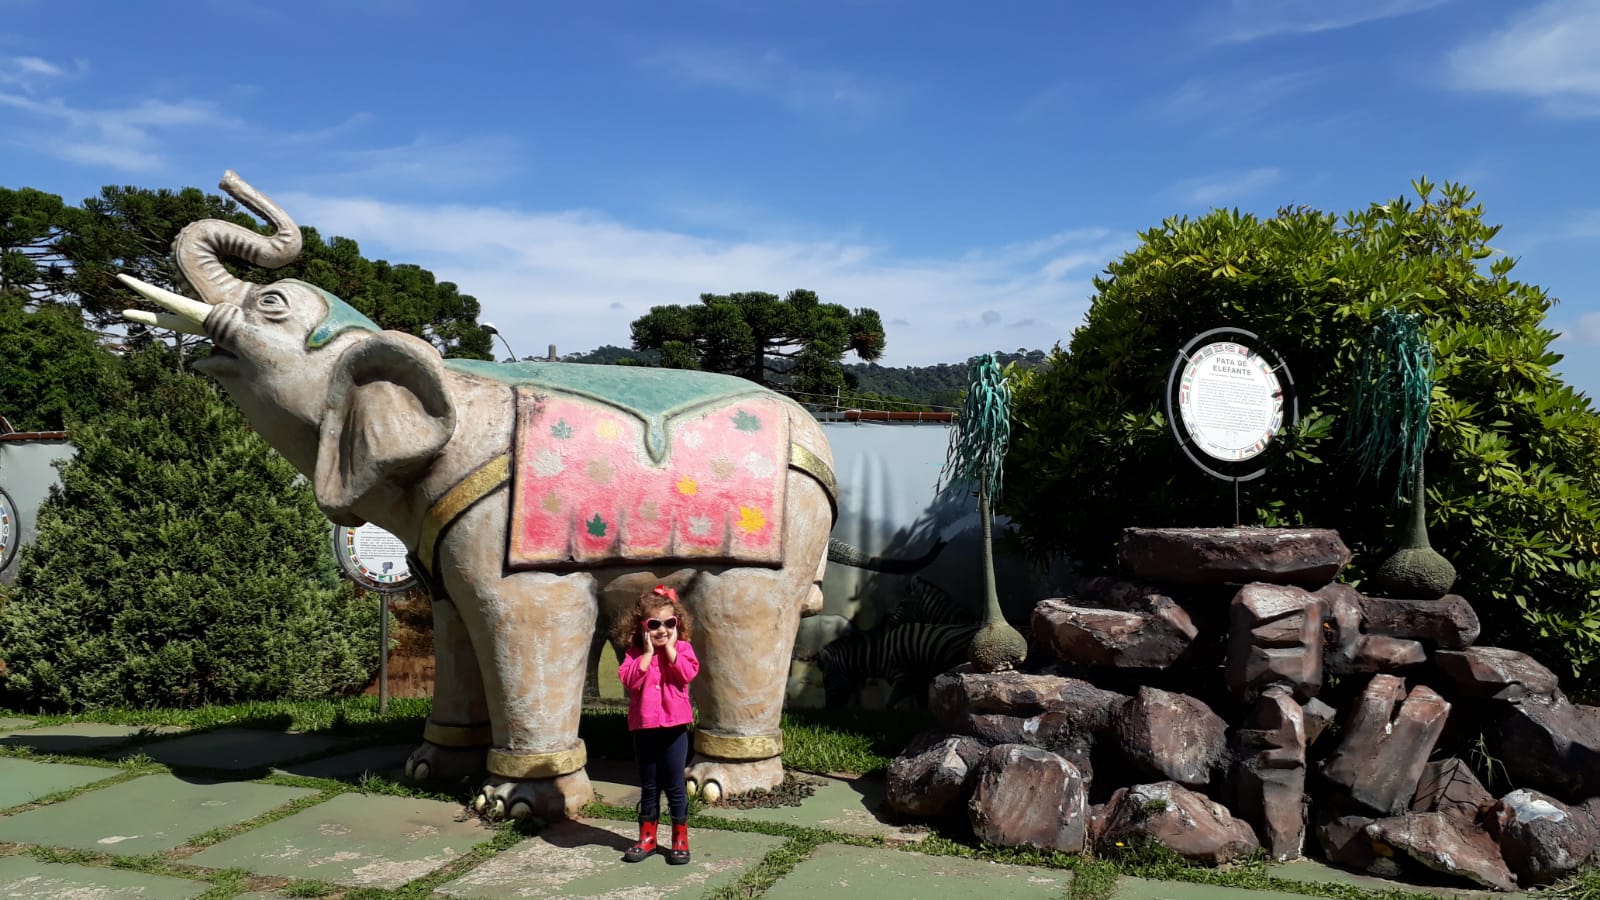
{"points": [[181, 562], [1513, 466], [53, 368]]}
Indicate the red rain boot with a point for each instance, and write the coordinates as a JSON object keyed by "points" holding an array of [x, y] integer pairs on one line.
{"points": [[679, 854], [647, 843]]}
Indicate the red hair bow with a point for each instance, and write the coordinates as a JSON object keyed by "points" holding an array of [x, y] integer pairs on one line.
{"points": [[662, 590]]}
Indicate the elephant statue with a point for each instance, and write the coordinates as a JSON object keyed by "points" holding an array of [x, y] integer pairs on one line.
{"points": [[531, 497]]}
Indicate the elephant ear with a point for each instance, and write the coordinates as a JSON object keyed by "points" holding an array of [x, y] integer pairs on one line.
{"points": [[388, 416]]}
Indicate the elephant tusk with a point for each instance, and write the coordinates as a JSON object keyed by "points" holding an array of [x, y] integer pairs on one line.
{"points": [[163, 320], [192, 310]]}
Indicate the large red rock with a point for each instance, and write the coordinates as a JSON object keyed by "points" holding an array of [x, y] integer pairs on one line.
{"points": [[1445, 843], [1349, 649], [1448, 785], [929, 778], [1550, 745], [1387, 741], [1498, 673], [1173, 737], [1270, 777], [1448, 623], [1275, 637], [1189, 824], [961, 692], [1091, 636], [1541, 838], [1303, 556], [1027, 797]]}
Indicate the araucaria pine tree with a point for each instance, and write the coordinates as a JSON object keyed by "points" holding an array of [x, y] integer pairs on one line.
{"points": [[180, 563]]}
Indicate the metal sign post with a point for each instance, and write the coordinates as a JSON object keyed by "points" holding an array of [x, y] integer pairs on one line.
{"points": [[376, 560], [1229, 397]]}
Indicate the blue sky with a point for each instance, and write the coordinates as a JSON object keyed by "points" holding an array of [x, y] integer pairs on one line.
{"points": [[963, 168]]}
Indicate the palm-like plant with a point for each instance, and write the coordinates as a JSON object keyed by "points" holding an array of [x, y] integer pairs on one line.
{"points": [[977, 448], [1389, 427]]}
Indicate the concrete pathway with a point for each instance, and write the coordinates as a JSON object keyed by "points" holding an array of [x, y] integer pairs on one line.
{"points": [[227, 818]]}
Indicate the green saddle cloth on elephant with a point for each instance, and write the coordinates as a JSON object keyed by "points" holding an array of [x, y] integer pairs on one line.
{"points": [[651, 395]]}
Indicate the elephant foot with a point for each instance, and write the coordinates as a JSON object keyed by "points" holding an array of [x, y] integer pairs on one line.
{"points": [[431, 762], [560, 797], [713, 778]]}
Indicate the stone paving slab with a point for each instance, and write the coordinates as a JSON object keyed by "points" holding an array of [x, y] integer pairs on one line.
{"points": [[835, 870], [615, 782], [584, 859], [145, 815], [847, 806], [25, 780], [1129, 888], [358, 840], [238, 749], [78, 738], [1308, 870], [24, 876], [386, 760]]}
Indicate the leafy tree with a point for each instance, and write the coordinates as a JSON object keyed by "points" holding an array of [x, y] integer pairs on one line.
{"points": [[179, 563], [746, 334], [129, 230], [31, 224], [401, 297], [53, 369], [1514, 462]]}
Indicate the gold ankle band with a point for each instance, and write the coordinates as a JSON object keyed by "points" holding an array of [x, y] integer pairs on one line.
{"points": [[444, 735], [739, 746], [537, 765]]}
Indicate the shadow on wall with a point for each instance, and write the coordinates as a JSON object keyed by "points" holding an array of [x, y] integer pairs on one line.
{"points": [[904, 589]]}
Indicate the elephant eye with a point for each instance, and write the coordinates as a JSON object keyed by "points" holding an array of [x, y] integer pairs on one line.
{"points": [[273, 302]]}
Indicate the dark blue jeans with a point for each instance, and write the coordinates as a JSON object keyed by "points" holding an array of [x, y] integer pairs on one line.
{"points": [[662, 754]]}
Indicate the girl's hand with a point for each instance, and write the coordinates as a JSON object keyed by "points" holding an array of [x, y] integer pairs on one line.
{"points": [[670, 644]]}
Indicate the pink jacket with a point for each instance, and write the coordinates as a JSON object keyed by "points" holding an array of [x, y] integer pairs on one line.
{"points": [[659, 696]]}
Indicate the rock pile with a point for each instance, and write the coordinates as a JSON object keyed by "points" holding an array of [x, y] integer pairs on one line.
{"points": [[1229, 696]]}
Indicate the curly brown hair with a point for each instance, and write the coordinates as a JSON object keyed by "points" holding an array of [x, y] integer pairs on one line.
{"points": [[625, 631]]}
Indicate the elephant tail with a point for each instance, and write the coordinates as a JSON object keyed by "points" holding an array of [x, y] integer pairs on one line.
{"points": [[849, 555]]}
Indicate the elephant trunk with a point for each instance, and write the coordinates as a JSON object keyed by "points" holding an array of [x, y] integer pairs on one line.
{"points": [[201, 246], [849, 555]]}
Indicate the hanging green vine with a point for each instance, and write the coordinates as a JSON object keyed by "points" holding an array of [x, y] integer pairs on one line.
{"points": [[1392, 394]]}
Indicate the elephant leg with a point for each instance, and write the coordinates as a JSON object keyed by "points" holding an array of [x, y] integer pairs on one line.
{"points": [[456, 737], [745, 623], [535, 630]]}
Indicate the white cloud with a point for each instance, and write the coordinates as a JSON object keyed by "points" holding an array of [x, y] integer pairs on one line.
{"points": [[425, 162], [1583, 332], [770, 73], [559, 277], [31, 73], [1252, 20], [1550, 52], [125, 137], [1224, 188]]}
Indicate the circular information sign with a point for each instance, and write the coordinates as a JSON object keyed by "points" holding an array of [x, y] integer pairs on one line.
{"points": [[373, 558], [9, 529], [1230, 401]]}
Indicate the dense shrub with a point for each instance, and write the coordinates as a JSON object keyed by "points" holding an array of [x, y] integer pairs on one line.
{"points": [[53, 368], [1514, 462], [181, 562]]}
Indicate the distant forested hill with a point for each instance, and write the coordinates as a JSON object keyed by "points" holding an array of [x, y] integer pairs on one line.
{"points": [[939, 385]]}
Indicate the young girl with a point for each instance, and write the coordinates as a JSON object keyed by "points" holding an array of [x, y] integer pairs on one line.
{"points": [[656, 671]]}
